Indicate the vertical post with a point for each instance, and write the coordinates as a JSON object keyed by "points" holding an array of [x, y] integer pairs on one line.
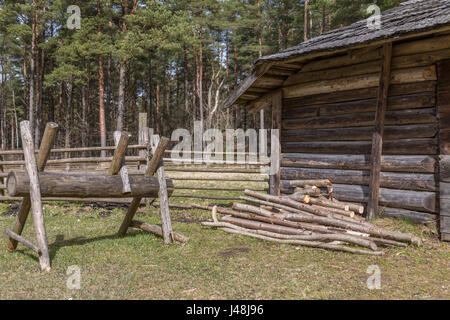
{"points": [[443, 108], [166, 222], [444, 197], [35, 195], [275, 154], [143, 136], [377, 139], [2, 180], [121, 140], [44, 153], [150, 171]]}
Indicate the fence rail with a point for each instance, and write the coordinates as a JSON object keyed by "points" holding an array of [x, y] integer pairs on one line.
{"points": [[183, 173]]}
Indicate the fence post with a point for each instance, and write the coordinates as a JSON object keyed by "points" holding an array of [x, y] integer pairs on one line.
{"points": [[2, 180], [275, 154], [143, 136]]}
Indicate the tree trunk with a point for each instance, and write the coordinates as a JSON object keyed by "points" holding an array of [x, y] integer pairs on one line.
{"points": [[305, 35], [32, 66]]}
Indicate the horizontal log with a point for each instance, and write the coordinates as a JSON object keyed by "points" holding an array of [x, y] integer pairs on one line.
{"points": [[253, 226], [401, 52], [415, 216], [334, 73], [414, 164], [313, 244], [22, 240], [84, 186], [445, 236], [330, 69], [390, 147], [445, 190], [421, 45], [402, 102], [77, 160], [360, 133], [212, 169], [412, 116], [211, 197], [157, 230], [420, 59], [200, 187], [444, 137], [358, 94], [409, 75], [346, 59], [444, 207], [444, 173], [405, 199], [394, 180], [72, 150]]}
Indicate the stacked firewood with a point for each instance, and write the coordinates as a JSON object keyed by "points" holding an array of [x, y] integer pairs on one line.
{"points": [[306, 218]]}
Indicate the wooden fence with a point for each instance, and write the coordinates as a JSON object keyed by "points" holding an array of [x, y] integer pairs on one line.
{"points": [[209, 180]]}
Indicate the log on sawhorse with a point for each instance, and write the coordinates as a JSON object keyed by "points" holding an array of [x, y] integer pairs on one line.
{"points": [[30, 188], [158, 148], [33, 200]]}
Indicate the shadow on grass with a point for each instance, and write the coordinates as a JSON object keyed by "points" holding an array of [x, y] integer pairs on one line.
{"points": [[60, 242]]}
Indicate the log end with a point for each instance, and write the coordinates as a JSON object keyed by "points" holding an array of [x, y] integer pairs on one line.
{"points": [[306, 199], [416, 241]]}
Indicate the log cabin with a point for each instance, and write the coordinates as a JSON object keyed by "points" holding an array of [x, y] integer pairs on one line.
{"points": [[368, 109]]}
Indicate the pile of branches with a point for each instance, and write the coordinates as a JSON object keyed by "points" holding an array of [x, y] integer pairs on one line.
{"points": [[305, 220]]}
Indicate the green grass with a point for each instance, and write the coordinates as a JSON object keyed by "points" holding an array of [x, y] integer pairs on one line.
{"points": [[213, 265]]}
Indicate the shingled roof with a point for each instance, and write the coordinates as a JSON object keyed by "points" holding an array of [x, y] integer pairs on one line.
{"points": [[410, 18]]}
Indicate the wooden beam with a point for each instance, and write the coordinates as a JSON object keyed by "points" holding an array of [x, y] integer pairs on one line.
{"points": [[274, 178], [150, 171], [377, 141], [410, 75], [260, 70], [118, 165], [35, 195], [262, 103], [22, 240], [47, 142], [166, 222]]}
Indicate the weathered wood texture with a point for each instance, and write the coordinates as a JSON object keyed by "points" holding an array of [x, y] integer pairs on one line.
{"points": [[327, 131], [412, 200], [84, 186], [149, 172], [359, 133], [401, 102], [35, 195], [443, 108], [42, 157], [419, 74], [390, 147], [22, 240], [166, 221], [443, 102], [118, 164], [274, 178], [394, 180], [378, 135], [402, 117], [397, 163]]}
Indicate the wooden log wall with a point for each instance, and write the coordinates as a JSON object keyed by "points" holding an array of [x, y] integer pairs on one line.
{"points": [[328, 120], [443, 104]]}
